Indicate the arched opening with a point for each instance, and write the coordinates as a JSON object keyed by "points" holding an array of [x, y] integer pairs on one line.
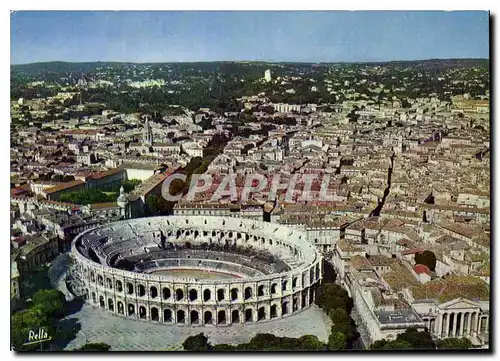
{"points": [[235, 316], [154, 314], [248, 315], [208, 317], [311, 276], [166, 293], [153, 291], [181, 316], [142, 312], [317, 271], [101, 302], [294, 282], [207, 295], [261, 314], [179, 294], [260, 291], [111, 306], [284, 285], [193, 295], [131, 309], [221, 318], [195, 318], [109, 282], [130, 288], [100, 280], [119, 286], [167, 315], [273, 288], [142, 291], [120, 307], [295, 305], [284, 308], [234, 294], [248, 293], [220, 295], [311, 295], [273, 312], [94, 297]]}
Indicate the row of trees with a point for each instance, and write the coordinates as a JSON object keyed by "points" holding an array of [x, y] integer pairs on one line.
{"points": [[412, 339]]}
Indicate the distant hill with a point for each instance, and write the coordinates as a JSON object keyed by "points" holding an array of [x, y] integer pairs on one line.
{"points": [[68, 67]]}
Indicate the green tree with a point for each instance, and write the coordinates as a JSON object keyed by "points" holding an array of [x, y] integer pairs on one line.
{"points": [[337, 341], [332, 296], [418, 339], [454, 343], [196, 343], [310, 343], [93, 347], [398, 345], [224, 347], [26, 321], [130, 184], [378, 345], [50, 302]]}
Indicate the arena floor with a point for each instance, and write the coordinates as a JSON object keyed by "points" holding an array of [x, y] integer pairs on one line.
{"points": [[133, 335], [195, 273]]}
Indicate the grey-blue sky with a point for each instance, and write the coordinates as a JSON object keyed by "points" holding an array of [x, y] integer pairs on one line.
{"points": [[270, 36]]}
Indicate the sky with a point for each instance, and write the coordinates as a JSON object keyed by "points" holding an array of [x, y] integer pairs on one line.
{"points": [[302, 36]]}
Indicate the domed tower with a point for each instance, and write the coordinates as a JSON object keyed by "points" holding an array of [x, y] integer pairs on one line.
{"points": [[122, 203]]}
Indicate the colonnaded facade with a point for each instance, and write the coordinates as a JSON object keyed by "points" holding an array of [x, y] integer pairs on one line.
{"points": [[244, 270]]}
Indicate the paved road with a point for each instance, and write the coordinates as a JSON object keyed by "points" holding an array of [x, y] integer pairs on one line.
{"points": [[133, 335]]}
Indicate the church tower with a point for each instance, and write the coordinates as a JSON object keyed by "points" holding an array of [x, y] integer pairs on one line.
{"points": [[147, 133]]}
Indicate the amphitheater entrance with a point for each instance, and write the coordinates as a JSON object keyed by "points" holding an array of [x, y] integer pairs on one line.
{"points": [[120, 307], [221, 318], [284, 308], [193, 295], [154, 314], [261, 314], [208, 318], [142, 312], [195, 318], [167, 316], [273, 311], [235, 316], [131, 309], [101, 302], [248, 315], [181, 316], [207, 295], [111, 306]]}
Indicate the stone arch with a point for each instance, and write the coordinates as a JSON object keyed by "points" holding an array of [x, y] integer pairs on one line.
{"points": [[101, 302], [130, 309], [195, 318], [120, 307], [207, 295], [179, 294], [119, 286], [153, 291], [234, 294], [207, 317], [248, 293], [142, 312], [94, 299], [221, 317], [261, 314], [181, 316], [100, 279], [284, 285], [294, 282], [220, 294], [235, 316], [274, 288], [130, 288], [167, 315], [193, 295], [141, 290], [109, 283], [248, 315], [154, 314], [284, 308], [273, 312], [111, 306], [166, 293], [260, 290]]}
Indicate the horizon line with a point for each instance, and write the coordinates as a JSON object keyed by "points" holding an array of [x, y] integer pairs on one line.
{"points": [[246, 61]]}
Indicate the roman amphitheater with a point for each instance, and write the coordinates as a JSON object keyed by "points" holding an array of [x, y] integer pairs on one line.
{"points": [[196, 270]]}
